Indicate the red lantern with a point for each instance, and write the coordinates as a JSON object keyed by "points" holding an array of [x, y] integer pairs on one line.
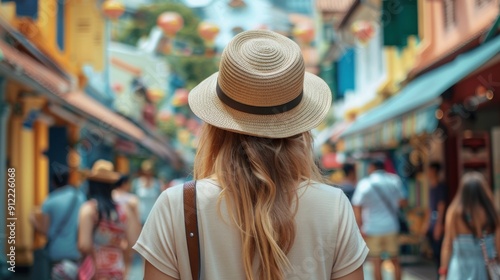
{"points": [[363, 31], [170, 23], [208, 31], [117, 87], [164, 116], [304, 33], [113, 9], [180, 120], [180, 97]]}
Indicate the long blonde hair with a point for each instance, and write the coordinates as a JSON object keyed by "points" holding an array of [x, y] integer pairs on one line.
{"points": [[259, 178]]}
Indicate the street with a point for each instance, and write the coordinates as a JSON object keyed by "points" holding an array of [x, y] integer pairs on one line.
{"points": [[417, 270]]}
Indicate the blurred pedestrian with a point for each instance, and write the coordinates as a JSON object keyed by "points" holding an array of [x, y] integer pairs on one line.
{"points": [[121, 195], [147, 188], [472, 228], [438, 197], [349, 183], [376, 203], [262, 211], [106, 228], [59, 223]]}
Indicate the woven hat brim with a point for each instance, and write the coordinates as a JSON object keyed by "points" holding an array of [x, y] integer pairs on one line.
{"points": [[104, 176], [310, 112]]}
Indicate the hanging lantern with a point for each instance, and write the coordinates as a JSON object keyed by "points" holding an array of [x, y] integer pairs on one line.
{"points": [[170, 23], [180, 120], [237, 3], [304, 33], [164, 116], [262, 27], [180, 97], [208, 31], [155, 95], [117, 88], [113, 9], [363, 30]]}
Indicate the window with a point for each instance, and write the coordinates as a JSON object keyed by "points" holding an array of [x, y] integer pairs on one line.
{"points": [[328, 33], [345, 73], [450, 15], [399, 20], [60, 24]]}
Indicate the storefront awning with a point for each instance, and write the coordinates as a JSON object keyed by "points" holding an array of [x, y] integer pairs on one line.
{"points": [[107, 118], [331, 134], [23, 64], [411, 112]]}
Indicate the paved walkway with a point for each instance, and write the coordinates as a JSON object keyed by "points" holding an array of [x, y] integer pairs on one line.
{"points": [[416, 270]]}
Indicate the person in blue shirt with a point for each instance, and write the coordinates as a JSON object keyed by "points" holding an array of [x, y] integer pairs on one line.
{"points": [[59, 223]]}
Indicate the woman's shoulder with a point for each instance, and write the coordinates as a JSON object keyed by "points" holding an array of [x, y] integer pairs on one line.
{"points": [[323, 187], [321, 191]]}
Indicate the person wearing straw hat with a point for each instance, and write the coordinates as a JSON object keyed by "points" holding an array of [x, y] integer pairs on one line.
{"points": [[106, 228], [262, 209]]}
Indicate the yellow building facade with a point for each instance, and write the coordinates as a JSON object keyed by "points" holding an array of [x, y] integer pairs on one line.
{"points": [[71, 34]]}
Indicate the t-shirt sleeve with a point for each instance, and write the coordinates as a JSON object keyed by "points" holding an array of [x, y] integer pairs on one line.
{"points": [[156, 242], [351, 249]]}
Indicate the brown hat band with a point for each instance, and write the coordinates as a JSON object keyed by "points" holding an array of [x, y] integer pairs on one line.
{"points": [[258, 110]]}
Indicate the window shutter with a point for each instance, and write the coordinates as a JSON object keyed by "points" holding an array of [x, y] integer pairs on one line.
{"points": [[399, 20]]}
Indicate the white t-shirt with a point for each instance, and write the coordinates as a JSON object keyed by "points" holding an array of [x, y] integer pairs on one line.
{"points": [[328, 243], [377, 218]]}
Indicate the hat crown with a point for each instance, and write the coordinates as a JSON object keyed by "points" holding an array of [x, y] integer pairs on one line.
{"points": [[102, 165], [261, 68]]}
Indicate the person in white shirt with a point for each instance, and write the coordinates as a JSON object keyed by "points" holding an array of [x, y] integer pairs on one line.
{"points": [[376, 201], [262, 211]]}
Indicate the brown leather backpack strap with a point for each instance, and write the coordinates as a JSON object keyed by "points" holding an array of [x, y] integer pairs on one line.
{"points": [[191, 225]]}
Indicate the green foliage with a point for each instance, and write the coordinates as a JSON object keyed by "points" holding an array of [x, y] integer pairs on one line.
{"points": [[194, 68], [145, 19]]}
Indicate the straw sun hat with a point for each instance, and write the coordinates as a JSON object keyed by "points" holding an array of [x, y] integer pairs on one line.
{"points": [[262, 89], [103, 171]]}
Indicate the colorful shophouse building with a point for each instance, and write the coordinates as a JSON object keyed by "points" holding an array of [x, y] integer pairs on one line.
{"points": [[49, 123]]}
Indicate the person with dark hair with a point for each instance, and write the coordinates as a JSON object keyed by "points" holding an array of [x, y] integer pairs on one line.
{"points": [[59, 223], [472, 231], [434, 222], [121, 195], [376, 202], [349, 182], [106, 229]]}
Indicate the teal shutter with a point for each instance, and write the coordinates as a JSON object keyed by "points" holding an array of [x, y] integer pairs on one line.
{"points": [[399, 19]]}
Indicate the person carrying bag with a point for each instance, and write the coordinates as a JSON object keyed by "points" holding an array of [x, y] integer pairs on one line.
{"points": [[472, 227], [45, 267], [404, 228]]}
